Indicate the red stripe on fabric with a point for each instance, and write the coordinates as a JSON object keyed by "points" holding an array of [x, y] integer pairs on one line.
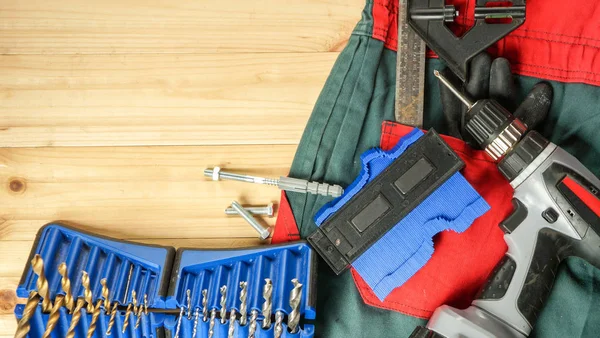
{"points": [[592, 201], [285, 229], [560, 40]]}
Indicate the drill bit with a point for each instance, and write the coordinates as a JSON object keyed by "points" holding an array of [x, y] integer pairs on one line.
{"points": [[243, 303], [179, 322], [253, 324], [76, 317], [59, 301], [142, 310], [211, 326], [223, 302], [295, 298], [204, 305], [81, 301], [196, 318], [65, 282], [97, 310], [37, 264], [113, 313], [268, 304], [54, 315], [87, 292], [232, 318], [128, 311], [23, 326], [137, 312], [105, 293], [188, 294], [145, 304], [278, 324]]}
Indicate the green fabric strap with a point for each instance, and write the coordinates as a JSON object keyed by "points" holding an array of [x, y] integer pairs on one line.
{"points": [[346, 121]]}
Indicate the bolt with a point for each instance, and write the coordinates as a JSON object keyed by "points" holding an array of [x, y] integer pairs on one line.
{"points": [[263, 231], [217, 174], [266, 210]]}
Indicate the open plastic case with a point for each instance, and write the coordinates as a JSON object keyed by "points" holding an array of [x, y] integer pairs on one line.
{"points": [[163, 276]]}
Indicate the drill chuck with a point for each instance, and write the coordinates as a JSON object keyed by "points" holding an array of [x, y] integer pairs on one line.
{"points": [[494, 128]]}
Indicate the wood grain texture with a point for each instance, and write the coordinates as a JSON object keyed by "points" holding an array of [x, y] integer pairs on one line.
{"points": [[182, 26], [110, 110], [99, 100], [124, 191]]}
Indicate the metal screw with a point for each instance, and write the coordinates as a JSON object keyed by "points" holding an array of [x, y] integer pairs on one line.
{"points": [[217, 174], [266, 210], [263, 231]]}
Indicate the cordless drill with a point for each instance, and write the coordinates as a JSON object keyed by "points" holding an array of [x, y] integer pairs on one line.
{"points": [[556, 215]]}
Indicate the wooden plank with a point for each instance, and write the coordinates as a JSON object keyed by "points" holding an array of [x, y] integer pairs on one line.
{"points": [[125, 191], [169, 99], [183, 26]]}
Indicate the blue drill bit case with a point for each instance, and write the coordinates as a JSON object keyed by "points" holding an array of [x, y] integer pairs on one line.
{"points": [[163, 276]]}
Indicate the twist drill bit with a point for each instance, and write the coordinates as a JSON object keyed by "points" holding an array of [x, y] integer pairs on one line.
{"points": [[87, 292], [105, 294], [145, 304], [65, 282], [54, 315], [137, 312], [142, 310], [253, 319], [278, 324], [59, 301], [223, 302], [204, 305], [81, 301], [188, 295], [196, 318], [295, 297], [211, 326], [179, 322], [268, 304], [76, 317], [244, 303], [23, 326], [113, 316], [113, 313], [128, 311], [231, 330], [37, 264], [97, 310]]}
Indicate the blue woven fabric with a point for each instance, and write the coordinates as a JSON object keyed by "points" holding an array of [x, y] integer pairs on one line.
{"points": [[403, 250]]}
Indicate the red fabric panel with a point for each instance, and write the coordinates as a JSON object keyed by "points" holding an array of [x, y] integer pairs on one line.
{"points": [[461, 262], [560, 40], [286, 229], [585, 195]]}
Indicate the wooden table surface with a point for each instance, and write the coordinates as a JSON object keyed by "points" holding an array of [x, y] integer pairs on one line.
{"points": [[110, 110]]}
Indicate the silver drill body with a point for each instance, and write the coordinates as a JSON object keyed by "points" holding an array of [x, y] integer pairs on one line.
{"points": [[243, 303], [267, 307], [223, 312], [278, 324], [283, 183], [196, 318], [211, 325], [253, 323], [204, 305], [263, 231], [189, 304], [179, 322], [232, 318], [295, 298]]}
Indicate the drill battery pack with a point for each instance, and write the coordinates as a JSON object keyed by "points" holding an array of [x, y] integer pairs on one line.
{"points": [[126, 289]]}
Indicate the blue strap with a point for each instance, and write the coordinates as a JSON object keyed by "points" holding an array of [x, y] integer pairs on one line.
{"points": [[403, 250]]}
